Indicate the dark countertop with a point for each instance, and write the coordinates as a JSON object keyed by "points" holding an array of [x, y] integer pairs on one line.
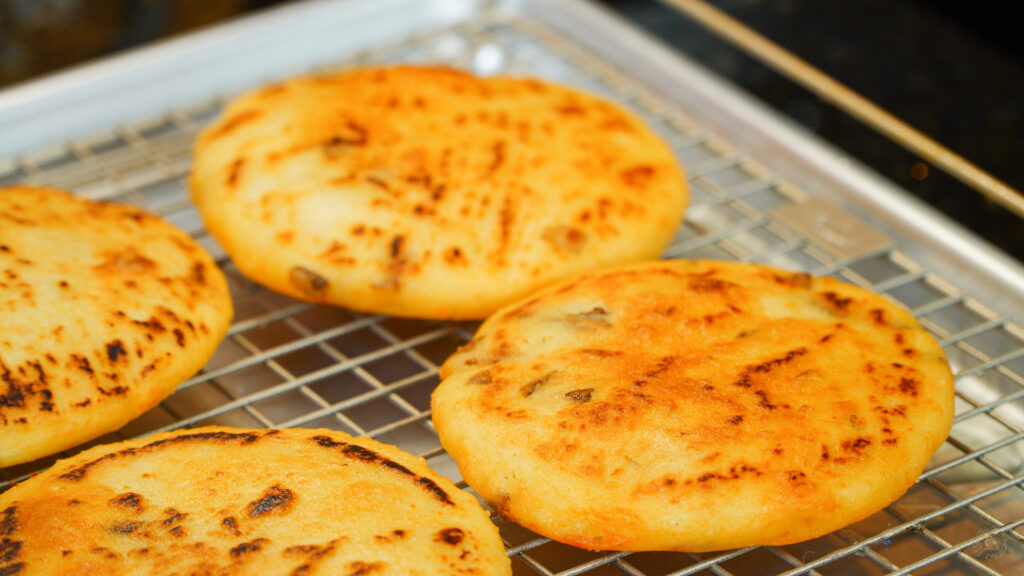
{"points": [[954, 72]]}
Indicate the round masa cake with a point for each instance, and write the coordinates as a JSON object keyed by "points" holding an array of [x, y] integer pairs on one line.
{"points": [[234, 502], [695, 406], [104, 310], [429, 192]]}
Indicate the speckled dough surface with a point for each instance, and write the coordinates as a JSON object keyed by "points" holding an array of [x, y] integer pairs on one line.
{"points": [[104, 311], [428, 192], [234, 502], [694, 405]]}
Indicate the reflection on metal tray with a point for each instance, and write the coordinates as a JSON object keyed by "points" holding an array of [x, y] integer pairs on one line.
{"points": [[754, 180]]}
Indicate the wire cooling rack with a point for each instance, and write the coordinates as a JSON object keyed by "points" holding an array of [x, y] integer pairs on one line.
{"points": [[287, 363]]}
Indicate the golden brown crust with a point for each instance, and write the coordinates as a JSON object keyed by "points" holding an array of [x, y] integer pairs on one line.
{"points": [[430, 192], [105, 310], [694, 405], [234, 502]]}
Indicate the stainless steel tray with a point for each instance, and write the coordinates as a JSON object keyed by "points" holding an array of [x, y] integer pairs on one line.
{"points": [[763, 191]]}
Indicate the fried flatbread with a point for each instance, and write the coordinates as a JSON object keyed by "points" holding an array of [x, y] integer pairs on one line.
{"points": [[694, 405], [233, 502], [428, 192], [104, 310]]}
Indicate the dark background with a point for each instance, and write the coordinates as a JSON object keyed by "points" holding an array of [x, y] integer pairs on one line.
{"points": [[953, 70]]}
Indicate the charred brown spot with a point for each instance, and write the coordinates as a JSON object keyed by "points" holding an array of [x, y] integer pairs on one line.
{"points": [[900, 410], [179, 337], [198, 275], [363, 568], [502, 505], [709, 285], [315, 554], [798, 280], [302, 549], [434, 489], [481, 378], [565, 238], [796, 476], [115, 350], [454, 255], [909, 386], [438, 193], [173, 516], [274, 499], [660, 367], [113, 391], [856, 446], [600, 353], [231, 525], [878, 315], [498, 152], [308, 282], [736, 419], [637, 176], [9, 521], [153, 325], [528, 389], [745, 379], [836, 301], [128, 500], [580, 396], [733, 473], [235, 171], [396, 246], [378, 182], [763, 401], [328, 442], [248, 547], [356, 135], [177, 531], [360, 453], [824, 452], [125, 527], [570, 110], [596, 316], [451, 536], [105, 552]]}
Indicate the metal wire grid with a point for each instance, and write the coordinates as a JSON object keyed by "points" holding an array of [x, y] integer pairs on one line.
{"points": [[286, 363]]}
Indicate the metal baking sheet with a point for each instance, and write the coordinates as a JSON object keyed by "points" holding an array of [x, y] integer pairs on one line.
{"points": [[763, 191]]}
